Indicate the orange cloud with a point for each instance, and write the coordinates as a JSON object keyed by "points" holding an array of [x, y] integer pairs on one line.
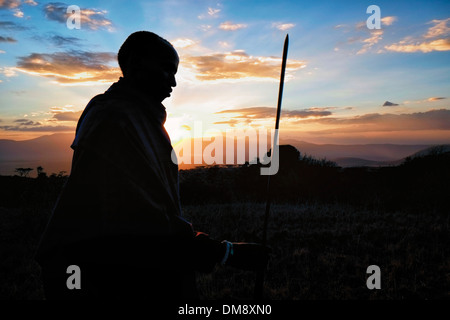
{"points": [[93, 19], [212, 13], [237, 65], [66, 115], [182, 43], [436, 98], [18, 13], [9, 4], [388, 20], [27, 122], [15, 4], [73, 67], [435, 45], [283, 26], [229, 26], [230, 122], [249, 115], [440, 30], [374, 122], [59, 114], [8, 71], [31, 126], [432, 125], [375, 37]]}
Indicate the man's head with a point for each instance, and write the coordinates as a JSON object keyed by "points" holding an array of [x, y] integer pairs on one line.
{"points": [[150, 63]]}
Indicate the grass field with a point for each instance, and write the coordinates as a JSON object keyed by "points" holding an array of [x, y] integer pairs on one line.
{"points": [[319, 251], [322, 251]]}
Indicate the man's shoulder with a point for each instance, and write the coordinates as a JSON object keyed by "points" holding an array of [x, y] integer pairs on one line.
{"points": [[104, 114], [111, 106]]}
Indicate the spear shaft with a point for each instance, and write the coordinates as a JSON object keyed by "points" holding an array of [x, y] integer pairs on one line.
{"points": [[260, 274]]}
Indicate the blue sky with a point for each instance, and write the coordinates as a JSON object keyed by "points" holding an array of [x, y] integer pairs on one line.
{"points": [[340, 73]]}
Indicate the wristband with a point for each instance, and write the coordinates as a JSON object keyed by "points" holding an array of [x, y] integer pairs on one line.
{"points": [[229, 252]]}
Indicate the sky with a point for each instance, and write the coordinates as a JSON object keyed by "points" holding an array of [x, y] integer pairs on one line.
{"points": [[345, 83]]}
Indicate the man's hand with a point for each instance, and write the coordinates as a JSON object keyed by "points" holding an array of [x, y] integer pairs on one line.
{"points": [[206, 252], [248, 256]]}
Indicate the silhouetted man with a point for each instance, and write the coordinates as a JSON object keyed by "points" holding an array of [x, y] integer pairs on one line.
{"points": [[119, 217]]}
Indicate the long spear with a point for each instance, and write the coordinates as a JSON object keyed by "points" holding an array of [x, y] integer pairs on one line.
{"points": [[260, 274]]}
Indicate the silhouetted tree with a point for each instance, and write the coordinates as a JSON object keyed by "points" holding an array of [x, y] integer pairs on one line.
{"points": [[40, 172], [61, 174], [23, 172]]}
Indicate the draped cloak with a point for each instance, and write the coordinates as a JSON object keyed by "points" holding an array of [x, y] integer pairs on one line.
{"points": [[121, 203]]}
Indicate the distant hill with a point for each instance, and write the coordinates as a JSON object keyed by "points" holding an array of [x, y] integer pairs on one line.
{"points": [[358, 162], [433, 150], [371, 152], [54, 154]]}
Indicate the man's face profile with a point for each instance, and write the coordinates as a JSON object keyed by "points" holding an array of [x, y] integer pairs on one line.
{"points": [[156, 75]]}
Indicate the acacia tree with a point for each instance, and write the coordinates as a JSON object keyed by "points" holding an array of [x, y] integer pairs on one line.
{"points": [[23, 172]]}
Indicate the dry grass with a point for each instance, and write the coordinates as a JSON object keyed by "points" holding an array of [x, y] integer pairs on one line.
{"points": [[319, 251], [322, 251]]}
